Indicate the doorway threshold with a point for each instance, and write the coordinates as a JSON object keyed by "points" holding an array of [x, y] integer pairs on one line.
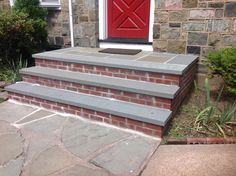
{"points": [[143, 47]]}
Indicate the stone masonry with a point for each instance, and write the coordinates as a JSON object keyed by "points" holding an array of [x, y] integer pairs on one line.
{"points": [[194, 26], [85, 16], [180, 26], [4, 4]]}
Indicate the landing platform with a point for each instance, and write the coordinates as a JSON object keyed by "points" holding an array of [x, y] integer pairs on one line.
{"points": [[145, 60]]}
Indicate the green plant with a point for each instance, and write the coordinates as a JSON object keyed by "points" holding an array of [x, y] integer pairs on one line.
{"points": [[15, 36], [10, 74], [38, 17], [223, 63], [212, 118]]}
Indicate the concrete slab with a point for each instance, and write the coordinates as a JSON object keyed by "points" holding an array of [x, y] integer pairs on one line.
{"points": [[83, 139], [35, 116], [11, 112], [126, 157], [194, 160]]}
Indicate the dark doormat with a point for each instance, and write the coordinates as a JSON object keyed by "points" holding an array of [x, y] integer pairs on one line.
{"points": [[120, 51]]}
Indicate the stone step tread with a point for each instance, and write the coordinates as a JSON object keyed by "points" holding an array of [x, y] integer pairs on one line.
{"points": [[176, 66], [132, 111], [141, 87]]}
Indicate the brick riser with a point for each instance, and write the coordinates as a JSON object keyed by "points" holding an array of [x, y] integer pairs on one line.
{"points": [[113, 72], [104, 92], [146, 128], [186, 83]]}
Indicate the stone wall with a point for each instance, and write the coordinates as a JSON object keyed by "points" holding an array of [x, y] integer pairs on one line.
{"points": [[194, 26], [4, 4], [85, 16]]}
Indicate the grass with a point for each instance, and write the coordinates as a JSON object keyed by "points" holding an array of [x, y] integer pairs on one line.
{"points": [[183, 125]]}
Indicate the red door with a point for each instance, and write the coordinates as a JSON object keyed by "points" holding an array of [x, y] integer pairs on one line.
{"points": [[128, 19]]}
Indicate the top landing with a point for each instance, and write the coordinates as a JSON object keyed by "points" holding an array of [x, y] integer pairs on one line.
{"points": [[145, 60]]}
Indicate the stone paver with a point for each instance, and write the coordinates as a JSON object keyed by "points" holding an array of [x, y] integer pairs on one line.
{"points": [[35, 142], [78, 170], [12, 112], [35, 116], [11, 150], [83, 139], [50, 161], [124, 158], [13, 168], [11, 147], [194, 160]]}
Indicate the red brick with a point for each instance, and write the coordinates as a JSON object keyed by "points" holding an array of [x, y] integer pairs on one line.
{"points": [[144, 130], [134, 122], [152, 126], [117, 118], [88, 111]]}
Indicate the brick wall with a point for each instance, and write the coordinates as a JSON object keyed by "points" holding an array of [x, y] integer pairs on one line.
{"points": [[194, 26]]}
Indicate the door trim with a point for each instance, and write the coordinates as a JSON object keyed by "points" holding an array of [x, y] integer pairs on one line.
{"points": [[103, 21]]}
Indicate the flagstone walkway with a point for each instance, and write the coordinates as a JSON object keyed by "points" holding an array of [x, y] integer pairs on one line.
{"points": [[36, 142]]}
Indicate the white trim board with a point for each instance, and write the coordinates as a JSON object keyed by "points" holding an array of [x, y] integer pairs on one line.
{"points": [[126, 46], [103, 20]]}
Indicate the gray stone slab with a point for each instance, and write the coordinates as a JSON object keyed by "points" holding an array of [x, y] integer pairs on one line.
{"points": [[184, 59], [51, 161], [6, 128], [47, 125], [35, 116], [11, 147], [11, 112], [194, 160], [154, 59], [13, 168], [126, 157], [116, 63], [129, 110], [155, 89], [83, 139], [79, 170]]}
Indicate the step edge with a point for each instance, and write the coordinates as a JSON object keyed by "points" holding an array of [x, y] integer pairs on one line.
{"points": [[122, 114], [131, 66], [161, 94]]}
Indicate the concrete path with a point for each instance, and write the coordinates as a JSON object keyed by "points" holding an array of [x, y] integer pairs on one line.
{"points": [[193, 160], [36, 142]]}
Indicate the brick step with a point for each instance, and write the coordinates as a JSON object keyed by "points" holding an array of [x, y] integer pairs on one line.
{"points": [[74, 59], [149, 120], [152, 94]]}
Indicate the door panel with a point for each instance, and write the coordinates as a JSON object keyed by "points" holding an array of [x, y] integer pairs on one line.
{"points": [[128, 18]]}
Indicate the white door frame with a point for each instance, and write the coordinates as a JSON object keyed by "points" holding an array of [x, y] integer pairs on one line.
{"points": [[103, 20]]}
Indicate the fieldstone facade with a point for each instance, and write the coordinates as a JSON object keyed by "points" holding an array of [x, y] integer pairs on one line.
{"points": [[4, 4], [194, 26], [180, 26], [85, 16]]}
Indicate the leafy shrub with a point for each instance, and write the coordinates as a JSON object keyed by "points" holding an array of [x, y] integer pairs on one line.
{"points": [[223, 63], [15, 36], [38, 16]]}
